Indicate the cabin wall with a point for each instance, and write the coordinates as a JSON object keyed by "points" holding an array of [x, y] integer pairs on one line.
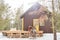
{"points": [[45, 24], [28, 21]]}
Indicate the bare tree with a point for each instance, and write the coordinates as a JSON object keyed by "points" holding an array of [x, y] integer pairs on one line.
{"points": [[18, 20]]}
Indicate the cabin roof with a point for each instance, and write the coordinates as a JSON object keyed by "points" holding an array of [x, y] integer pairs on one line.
{"points": [[35, 7]]}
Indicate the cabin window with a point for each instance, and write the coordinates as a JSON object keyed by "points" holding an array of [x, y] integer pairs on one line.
{"points": [[42, 20], [46, 17], [42, 23], [35, 22]]}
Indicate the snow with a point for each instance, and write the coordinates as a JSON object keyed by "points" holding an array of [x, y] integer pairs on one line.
{"points": [[46, 36]]}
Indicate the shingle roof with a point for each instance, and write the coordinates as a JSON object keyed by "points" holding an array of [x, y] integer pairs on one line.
{"points": [[35, 7]]}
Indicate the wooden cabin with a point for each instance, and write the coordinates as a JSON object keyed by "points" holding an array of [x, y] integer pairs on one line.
{"points": [[38, 17]]}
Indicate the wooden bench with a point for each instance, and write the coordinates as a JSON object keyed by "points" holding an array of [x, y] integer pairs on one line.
{"points": [[24, 34], [15, 34], [20, 34], [12, 34]]}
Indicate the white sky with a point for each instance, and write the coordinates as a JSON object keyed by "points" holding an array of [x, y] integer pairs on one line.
{"points": [[18, 3], [26, 3]]}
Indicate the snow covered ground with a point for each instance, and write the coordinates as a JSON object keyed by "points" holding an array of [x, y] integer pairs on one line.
{"points": [[46, 36]]}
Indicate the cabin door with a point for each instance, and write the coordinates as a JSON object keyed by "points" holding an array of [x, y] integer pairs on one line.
{"points": [[36, 24]]}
